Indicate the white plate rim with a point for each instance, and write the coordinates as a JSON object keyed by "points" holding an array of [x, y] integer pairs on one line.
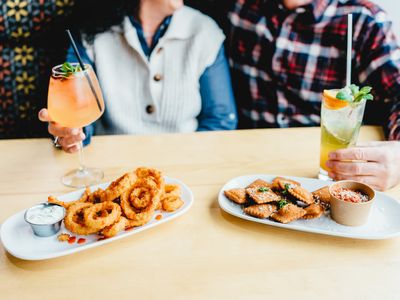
{"points": [[169, 217], [223, 201]]}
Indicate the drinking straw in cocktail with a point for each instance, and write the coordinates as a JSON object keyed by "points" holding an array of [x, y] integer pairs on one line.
{"points": [[83, 68], [349, 48]]}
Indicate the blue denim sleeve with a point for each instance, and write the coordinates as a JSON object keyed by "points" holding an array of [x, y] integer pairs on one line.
{"points": [[218, 110], [71, 57]]}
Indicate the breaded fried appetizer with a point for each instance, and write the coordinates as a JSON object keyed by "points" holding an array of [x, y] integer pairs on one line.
{"points": [[172, 203], [288, 213], [322, 195], [281, 183], [313, 211], [262, 195], [82, 199], [236, 195], [261, 211], [301, 194], [259, 183], [118, 187], [63, 237]]}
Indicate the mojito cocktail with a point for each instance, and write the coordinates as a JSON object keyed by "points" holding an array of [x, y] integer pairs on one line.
{"points": [[341, 117]]}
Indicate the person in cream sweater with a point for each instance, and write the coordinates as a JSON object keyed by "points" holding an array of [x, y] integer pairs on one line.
{"points": [[162, 68]]}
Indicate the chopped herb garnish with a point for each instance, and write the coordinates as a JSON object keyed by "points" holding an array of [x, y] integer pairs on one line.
{"points": [[263, 189], [287, 188], [282, 203], [69, 69], [353, 94]]}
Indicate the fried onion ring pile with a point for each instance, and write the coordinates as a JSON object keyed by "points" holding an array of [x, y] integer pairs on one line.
{"points": [[129, 201]]}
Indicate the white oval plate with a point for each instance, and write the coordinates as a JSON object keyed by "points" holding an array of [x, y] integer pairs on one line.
{"points": [[18, 239], [383, 222]]}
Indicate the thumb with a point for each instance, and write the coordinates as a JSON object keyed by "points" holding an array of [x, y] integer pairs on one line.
{"points": [[44, 115]]}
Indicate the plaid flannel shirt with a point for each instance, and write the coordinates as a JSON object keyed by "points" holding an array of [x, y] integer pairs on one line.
{"points": [[282, 61]]}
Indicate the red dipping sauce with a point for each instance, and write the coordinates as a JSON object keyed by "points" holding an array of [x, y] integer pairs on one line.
{"points": [[350, 195]]}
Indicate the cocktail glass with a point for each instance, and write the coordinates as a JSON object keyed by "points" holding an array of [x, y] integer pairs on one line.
{"points": [[75, 101], [340, 125]]}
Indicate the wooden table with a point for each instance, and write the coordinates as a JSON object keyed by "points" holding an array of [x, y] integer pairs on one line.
{"points": [[205, 254]]}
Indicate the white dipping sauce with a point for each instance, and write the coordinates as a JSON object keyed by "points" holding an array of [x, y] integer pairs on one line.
{"points": [[48, 214]]}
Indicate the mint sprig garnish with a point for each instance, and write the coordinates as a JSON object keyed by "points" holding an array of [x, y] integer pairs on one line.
{"points": [[353, 94], [68, 69]]}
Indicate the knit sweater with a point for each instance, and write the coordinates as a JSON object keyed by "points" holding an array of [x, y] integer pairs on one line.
{"points": [[159, 94]]}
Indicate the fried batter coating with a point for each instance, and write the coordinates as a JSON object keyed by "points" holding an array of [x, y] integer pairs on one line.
{"points": [[288, 213], [322, 195], [117, 187], [261, 211], [140, 220], [280, 183], [313, 211], [262, 195], [236, 195], [115, 228], [143, 191], [101, 215], [301, 194], [95, 197], [259, 183], [172, 203], [74, 221], [84, 198], [171, 189], [63, 237], [151, 174]]}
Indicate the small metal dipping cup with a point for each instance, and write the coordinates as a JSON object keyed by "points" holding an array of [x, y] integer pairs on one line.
{"points": [[44, 230]]}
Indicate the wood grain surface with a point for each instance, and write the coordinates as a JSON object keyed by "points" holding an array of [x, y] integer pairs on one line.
{"points": [[206, 253]]}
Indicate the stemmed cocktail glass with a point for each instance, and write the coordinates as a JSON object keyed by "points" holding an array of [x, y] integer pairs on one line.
{"points": [[75, 101]]}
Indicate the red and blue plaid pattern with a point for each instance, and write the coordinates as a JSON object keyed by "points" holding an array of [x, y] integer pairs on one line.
{"points": [[283, 60]]}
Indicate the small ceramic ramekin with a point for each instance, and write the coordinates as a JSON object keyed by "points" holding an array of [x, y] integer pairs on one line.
{"points": [[350, 213]]}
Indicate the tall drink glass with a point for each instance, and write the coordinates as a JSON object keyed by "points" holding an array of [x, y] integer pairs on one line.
{"points": [[72, 103], [340, 125]]}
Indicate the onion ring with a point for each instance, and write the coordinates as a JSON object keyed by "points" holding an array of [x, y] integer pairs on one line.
{"points": [[115, 228], [172, 203], [101, 215], [117, 187], [82, 199], [172, 189], [144, 191], [74, 221], [96, 196], [152, 174]]}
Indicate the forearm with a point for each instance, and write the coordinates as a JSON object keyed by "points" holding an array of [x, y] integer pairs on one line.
{"points": [[218, 110]]}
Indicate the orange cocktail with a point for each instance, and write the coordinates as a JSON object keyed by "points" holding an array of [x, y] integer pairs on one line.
{"points": [[71, 102], [74, 101]]}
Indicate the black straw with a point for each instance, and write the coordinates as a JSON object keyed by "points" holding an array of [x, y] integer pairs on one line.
{"points": [[83, 68]]}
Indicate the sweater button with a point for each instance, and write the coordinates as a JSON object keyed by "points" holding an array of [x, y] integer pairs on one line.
{"points": [[150, 109], [158, 77], [159, 50]]}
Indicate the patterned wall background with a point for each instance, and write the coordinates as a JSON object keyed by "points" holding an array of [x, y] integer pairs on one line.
{"points": [[32, 40]]}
